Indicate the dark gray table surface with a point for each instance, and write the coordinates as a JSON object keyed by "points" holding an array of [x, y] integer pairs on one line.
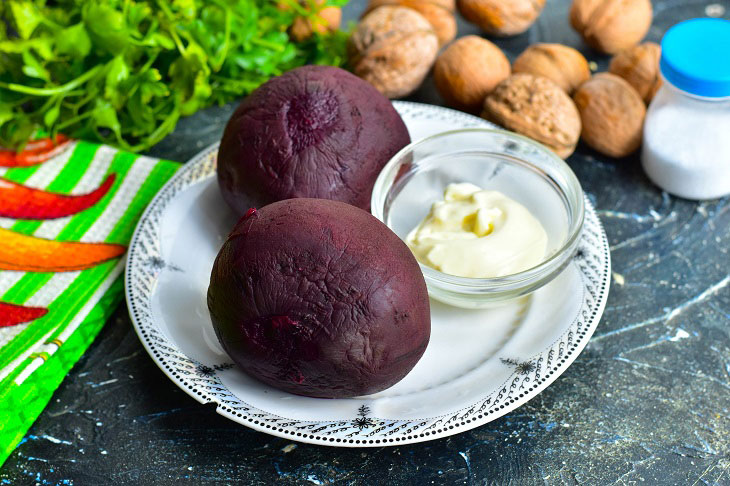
{"points": [[648, 400]]}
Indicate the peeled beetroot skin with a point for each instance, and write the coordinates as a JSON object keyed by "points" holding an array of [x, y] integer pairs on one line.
{"points": [[316, 131], [319, 298]]}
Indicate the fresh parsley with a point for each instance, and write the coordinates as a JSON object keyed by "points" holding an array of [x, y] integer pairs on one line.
{"points": [[124, 71]]}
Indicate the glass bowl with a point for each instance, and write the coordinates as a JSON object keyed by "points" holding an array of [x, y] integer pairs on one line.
{"points": [[518, 167]]}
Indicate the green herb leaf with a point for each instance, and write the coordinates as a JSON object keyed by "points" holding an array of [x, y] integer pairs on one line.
{"points": [[74, 41], [107, 27], [105, 116], [51, 115], [26, 17], [186, 8], [124, 71], [117, 71], [32, 67], [6, 113]]}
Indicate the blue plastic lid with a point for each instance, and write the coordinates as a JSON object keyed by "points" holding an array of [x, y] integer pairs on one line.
{"points": [[696, 57]]}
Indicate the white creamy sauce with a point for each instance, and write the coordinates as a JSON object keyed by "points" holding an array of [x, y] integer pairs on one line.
{"points": [[478, 234]]}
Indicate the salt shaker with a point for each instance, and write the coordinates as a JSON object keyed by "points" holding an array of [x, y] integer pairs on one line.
{"points": [[686, 147]]}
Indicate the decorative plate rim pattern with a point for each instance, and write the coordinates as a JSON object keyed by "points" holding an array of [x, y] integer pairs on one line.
{"points": [[201, 381]]}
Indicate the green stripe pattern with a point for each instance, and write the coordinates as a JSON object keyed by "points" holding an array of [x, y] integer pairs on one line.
{"points": [[137, 179]]}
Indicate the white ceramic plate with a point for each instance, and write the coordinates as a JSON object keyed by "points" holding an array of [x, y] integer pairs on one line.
{"points": [[478, 366]]}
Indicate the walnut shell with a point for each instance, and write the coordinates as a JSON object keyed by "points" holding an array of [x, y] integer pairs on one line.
{"points": [[538, 108], [439, 15], [612, 113], [501, 17], [468, 70], [561, 64], [450, 5], [393, 49], [610, 26], [640, 67], [329, 20]]}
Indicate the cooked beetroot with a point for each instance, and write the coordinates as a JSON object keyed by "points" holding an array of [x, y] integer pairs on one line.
{"points": [[319, 298], [316, 131]]}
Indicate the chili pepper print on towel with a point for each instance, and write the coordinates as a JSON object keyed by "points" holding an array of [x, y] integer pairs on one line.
{"points": [[11, 314], [25, 253], [35, 152], [22, 202]]}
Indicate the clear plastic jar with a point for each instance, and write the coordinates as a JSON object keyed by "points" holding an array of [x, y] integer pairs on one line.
{"points": [[686, 148]]}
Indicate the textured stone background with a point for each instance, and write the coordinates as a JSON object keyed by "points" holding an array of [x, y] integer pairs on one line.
{"points": [[648, 401]]}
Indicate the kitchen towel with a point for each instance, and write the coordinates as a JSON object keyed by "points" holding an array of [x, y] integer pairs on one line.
{"points": [[67, 212]]}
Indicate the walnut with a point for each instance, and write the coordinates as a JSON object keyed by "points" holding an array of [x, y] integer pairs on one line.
{"points": [[640, 67], [612, 113], [468, 70], [501, 17], [393, 49], [561, 64], [329, 20], [449, 5], [610, 26], [438, 13], [538, 108]]}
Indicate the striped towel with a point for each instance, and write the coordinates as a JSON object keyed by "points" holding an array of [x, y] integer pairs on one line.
{"points": [[55, 297]]}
